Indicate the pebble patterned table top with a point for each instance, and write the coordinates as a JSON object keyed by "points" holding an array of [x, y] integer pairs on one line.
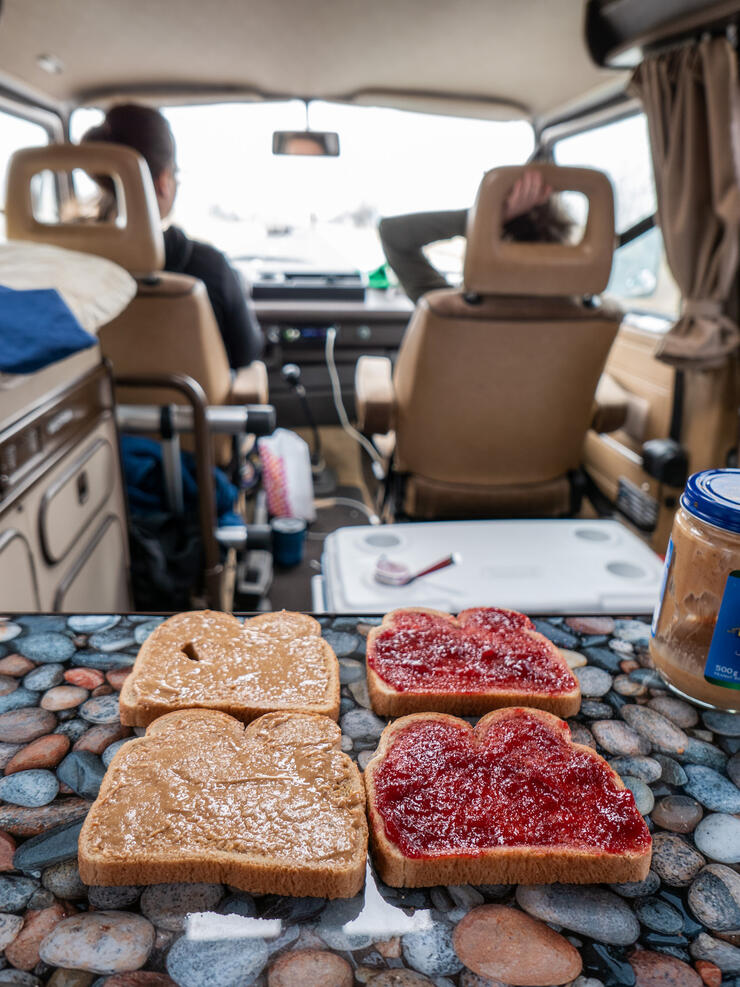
{"points": [[59, 728]]}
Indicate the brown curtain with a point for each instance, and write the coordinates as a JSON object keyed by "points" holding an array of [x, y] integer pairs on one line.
{"points": [[691, 100]]}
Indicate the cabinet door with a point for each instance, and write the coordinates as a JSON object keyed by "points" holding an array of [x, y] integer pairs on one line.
{"points": [[74, 499], [96, 581], [18, 587]]}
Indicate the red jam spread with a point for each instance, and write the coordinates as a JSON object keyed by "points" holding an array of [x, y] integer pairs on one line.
{"points": [[484, 650], [442, 790]]}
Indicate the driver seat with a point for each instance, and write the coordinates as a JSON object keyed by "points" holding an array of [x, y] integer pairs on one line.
{"points": [[169, 327], [494, 386]]}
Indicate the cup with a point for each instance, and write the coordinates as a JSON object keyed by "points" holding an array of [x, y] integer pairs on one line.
{"points": [[288, 536]]}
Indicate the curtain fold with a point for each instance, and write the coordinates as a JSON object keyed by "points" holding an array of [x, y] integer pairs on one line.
{"points": [[692, 105]]}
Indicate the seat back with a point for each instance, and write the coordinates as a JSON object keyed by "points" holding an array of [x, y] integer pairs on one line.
{"points": [[169, 327], [151, 336], [494, 390]]}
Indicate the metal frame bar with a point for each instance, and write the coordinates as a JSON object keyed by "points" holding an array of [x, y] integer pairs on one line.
{"points": [[258, 419], [196, 398]]}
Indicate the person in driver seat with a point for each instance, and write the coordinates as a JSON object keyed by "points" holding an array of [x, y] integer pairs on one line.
{"points": [[531, 214], [146, 131]]}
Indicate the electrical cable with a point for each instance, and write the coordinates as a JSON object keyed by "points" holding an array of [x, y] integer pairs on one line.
{"points": [[348, 502], [336, 389]]}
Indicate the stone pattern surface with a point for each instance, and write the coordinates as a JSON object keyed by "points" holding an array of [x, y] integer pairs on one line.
{"points": [[59, 729]]}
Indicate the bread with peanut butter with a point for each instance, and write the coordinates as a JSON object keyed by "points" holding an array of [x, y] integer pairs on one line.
{"points": [[275, 807], [209, 660], [421, 660], [513, 801]]}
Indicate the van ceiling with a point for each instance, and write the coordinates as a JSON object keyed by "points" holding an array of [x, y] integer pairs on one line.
{"points": [[527, 55]]}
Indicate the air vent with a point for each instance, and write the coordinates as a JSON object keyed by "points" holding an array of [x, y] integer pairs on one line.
{"points": [[638, 506]]}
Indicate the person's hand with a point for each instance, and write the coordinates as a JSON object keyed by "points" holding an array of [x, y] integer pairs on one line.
{"points": [[527, 192]]}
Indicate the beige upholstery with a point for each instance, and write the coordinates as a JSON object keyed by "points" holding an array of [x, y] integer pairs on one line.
{"points": [[135, 243], [374, 394], [151, 336], [156, 324], [494, 265], [169, 327], [492, 395], [611, 405], [249, 385]]}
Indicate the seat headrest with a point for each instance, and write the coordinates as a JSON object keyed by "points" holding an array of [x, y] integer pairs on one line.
{"points": [[133, 240], [495, 266]]}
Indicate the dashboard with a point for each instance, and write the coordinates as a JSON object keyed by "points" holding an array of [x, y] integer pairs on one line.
{"points": [[295, 332]]}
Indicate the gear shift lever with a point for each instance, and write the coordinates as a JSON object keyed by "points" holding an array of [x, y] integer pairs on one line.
{"points": [[324, 481]]}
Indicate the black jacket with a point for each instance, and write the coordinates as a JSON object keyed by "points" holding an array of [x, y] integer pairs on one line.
{"points": [[233, 310]]}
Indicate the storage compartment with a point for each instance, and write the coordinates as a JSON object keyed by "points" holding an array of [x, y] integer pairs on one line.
{"points": [[18, 589], [62, 507], [96, 582], [73, 500]]}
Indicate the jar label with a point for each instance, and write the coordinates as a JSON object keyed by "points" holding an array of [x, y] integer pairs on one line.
{"points": [[663, 581], [723, 661]]}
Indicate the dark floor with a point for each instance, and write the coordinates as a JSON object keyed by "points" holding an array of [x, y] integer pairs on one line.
{"points": [[291, 588]]}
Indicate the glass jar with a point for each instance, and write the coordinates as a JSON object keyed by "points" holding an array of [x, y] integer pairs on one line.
{"points": [[695, 640]]}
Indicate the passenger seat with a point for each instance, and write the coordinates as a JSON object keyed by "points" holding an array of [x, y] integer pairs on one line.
{"points": [[494, 387], [169, 327]]}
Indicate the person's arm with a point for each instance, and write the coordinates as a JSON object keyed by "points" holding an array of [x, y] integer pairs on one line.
{"points": [[238, 322], [403, 238]]}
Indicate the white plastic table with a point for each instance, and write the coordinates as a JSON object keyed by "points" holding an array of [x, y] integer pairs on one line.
{"points": [[537, 566]]}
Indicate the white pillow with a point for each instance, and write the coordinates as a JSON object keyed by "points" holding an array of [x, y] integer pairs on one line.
{"points": [[95, 289]]}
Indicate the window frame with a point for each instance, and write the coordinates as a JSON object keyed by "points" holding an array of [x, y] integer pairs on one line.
{"points": [[52, 121], [600, 116]]}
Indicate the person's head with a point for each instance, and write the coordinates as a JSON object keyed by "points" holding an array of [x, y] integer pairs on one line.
{"points": [[548, 222], [303, 144], [146, 131], [532, 214]]}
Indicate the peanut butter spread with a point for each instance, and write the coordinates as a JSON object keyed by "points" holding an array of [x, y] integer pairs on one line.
{"points": [[702, 558], [208, 659], [200, 784]]}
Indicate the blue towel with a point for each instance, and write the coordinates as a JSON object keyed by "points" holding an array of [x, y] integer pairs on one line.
{"points": [[144, 476], [36, 329]]}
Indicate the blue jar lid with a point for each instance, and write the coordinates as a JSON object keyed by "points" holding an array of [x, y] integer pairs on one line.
{"points": [[714, 496]]}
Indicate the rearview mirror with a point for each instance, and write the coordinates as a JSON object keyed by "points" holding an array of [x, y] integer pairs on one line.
{"points": [[324, 143]]}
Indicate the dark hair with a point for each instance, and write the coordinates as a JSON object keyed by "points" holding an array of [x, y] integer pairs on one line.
{"points": [[141, 128], [547, 223]]}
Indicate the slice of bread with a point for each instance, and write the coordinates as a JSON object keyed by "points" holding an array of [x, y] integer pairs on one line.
{"points": [[209, 660], [513, 801], [422, 660], [275, 807]]}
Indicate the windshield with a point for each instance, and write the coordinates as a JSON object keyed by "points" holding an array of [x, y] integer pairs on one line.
{"points": [[290, 212]]}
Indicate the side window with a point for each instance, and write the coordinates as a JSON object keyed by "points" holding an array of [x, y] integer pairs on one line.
{"points": [[640, 280], [15, 133]]}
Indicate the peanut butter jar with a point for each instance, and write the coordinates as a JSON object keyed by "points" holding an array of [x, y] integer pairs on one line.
{"points": [[695, 640]]}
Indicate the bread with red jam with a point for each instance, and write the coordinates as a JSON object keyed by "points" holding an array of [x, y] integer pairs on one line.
{"points": [[511, 801], [421, 660]]}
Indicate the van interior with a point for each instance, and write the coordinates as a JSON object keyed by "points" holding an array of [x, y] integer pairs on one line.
{"points": [[361, 365], [539, 414]]}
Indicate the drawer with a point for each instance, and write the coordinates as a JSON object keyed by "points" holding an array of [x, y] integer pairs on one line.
{"points": [[75, 498]]}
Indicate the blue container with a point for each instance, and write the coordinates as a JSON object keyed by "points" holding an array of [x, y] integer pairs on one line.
{"points": [[714, 496], [288, 536]]}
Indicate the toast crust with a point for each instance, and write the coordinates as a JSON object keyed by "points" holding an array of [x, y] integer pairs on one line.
{"points": [[209, 660], [386, 700], [500, 865], [273, 807]]}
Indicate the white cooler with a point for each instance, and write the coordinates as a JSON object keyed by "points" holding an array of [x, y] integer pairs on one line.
{"points": [[551, 566]]}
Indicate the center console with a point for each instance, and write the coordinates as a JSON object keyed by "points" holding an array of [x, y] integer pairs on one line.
{"points": [[295, 331]]}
